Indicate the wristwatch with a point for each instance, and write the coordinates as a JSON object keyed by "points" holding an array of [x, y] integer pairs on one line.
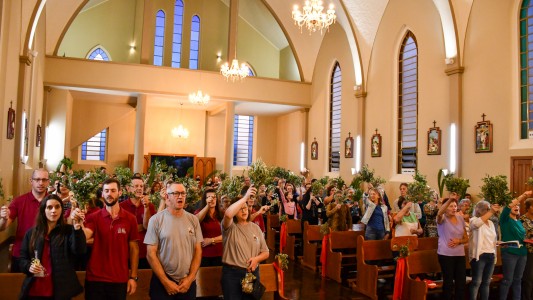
{"points": [[134, 278], [213, 241]]}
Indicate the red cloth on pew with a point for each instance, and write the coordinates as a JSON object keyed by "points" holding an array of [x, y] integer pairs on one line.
{"points": [[323, 254], [401, 265], [280, 275], [282, 237]]}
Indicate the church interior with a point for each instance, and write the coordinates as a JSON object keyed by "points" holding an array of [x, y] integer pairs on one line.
{"points": [[397, 85]]}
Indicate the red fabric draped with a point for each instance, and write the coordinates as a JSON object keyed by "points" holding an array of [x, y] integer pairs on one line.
{"points": [[282, 237], [401, 265], [280, 275], [323, 254]]}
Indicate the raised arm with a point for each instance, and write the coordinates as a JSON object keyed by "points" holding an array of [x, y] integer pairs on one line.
{"points": [[201, 214], [442, 210], [233, 209], [398, 217], [5, 220]]}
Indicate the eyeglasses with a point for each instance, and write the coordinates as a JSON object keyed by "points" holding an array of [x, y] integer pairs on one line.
{"points": [[40, 179], [178, 194]]}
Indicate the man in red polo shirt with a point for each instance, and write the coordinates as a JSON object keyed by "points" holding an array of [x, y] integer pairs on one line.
{"points": [[24, 208], [139, 205], [115, 241]]}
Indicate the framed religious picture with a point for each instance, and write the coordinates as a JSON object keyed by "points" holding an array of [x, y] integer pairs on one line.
{"points": [[348, 146], [314, 150], [375, 144], [434, 138], [38, 136], [11, 123], [483, 133]]}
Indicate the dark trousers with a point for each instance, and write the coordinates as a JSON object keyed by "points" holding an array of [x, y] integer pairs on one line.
{"points": [[15, 265], [231, 282], [97, 290], [158, 291], [211, 261], [527, 279], [143, 263], [454, 276]]}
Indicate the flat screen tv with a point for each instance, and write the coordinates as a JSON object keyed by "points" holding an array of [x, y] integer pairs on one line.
{"points": [[182, 163]]}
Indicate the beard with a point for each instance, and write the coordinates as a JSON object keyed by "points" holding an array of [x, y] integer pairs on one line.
{"points": [[110, 203]]}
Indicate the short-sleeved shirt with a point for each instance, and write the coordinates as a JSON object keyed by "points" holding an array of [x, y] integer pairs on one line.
{"points": [[24, 208], [111, 251], [138, 212], [175, 238], [242, 242], [448, 231]]}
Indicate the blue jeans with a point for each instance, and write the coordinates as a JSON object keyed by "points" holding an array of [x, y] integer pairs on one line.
{"points": [[231, 282], [513, 267], [482, 270], [373, 234]]}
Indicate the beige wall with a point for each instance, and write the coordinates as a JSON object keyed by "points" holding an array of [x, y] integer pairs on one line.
{"points": [[267, 142], [214, 138], [290, 134], [288, 69]]}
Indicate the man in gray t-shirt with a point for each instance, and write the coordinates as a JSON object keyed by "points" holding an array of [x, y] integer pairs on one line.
{"points": [[173, 240]]}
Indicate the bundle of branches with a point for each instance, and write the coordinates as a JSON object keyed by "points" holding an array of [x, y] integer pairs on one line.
{"points": [[231, 187], [193, 191], [65, 165], [418, 190], [338, 182], [456, 184], [377, 181], [124, 175], [279, 172], [495, 190], [259, 173], [295, 179], [84, 189], [530, 182], [366, 174], [1, 190], [324, 180], [316, 188]]}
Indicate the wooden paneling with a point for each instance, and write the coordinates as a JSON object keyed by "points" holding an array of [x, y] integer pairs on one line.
{"points": [[520, 172]]}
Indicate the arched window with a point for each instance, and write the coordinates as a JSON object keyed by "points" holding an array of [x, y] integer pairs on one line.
{"points": [[408, 105], [159, 38], [98, 53], [176, 35], [335, 119], [526, 70], [195, 43]]}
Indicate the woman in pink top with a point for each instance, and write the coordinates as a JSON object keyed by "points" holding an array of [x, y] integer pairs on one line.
{"points": [[451, 251]]}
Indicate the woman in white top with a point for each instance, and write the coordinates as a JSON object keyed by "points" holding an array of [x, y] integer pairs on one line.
{"points": [[406, 222], [482, 248]]}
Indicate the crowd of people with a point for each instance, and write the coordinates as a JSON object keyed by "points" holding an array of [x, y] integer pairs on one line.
{"points": [[116, 235]]}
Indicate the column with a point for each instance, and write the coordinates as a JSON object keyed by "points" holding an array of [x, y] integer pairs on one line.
{"points": [[228, 137], [455, 75], [138, 144]]}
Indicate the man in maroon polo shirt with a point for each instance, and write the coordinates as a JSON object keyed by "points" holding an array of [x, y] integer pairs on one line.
{"points": [[115, 241], [139, 205], [24, 208]]}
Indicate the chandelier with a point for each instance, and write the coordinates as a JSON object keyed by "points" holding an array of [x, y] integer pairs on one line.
{"points": [[180, 132], [235, 72], [199, 98], [313, 17]]}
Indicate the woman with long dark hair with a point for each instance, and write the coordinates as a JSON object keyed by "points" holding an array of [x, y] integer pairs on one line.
{"points": [[210, 217], [49, 252]]}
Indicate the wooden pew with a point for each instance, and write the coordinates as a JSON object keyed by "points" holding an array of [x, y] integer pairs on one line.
{"points": [[294, 235], [428, 243], [420, 262], [207, 283], [367, 275], [273, 226], [312, 240], [341, 252]]}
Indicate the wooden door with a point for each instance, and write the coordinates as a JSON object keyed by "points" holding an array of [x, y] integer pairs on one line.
{"points": [[204, 166], [521, 170]]}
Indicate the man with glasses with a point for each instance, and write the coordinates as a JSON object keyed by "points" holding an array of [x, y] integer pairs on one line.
{"points": [[24, 208], [174, 247]]}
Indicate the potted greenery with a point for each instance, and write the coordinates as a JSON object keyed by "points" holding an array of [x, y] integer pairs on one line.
{"points": [[456, 184], [495, 190]]}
